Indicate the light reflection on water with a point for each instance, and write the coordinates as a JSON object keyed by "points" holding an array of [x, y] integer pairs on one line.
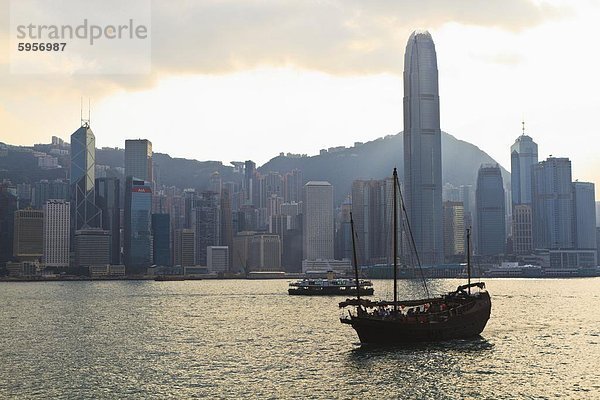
{"points": [[234, 339]]}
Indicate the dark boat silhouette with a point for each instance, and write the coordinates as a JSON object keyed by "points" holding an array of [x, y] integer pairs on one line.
{"points": [[460, 314]]}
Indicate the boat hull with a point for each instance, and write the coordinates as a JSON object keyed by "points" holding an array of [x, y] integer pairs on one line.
{"points": [[420, 329], [329, 291]]}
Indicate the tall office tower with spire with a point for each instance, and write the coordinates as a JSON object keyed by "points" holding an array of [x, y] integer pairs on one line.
{"points": [[84, 213], [422, 147], [138, 159], [523, 156]]}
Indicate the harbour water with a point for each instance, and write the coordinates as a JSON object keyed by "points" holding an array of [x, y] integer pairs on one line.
{"points": [[249, 339]]}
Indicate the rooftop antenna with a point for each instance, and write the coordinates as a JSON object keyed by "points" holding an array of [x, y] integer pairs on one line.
{"points": [[523, 122]]}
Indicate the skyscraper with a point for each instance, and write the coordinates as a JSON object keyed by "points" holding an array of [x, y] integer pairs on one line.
{"points": [[584, 218], [57, 238], [137, 244], [422, 147], [553, 204], [92, 247], [522, 229], [107, 200], [138, 159], [207, 224], [454, 229], [84, 212], [490, 202], [317, 240], [8, 206], [523, 156], [184, 245], [161, 235]]}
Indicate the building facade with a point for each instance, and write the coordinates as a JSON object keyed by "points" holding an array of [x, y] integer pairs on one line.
{"points": [[84, 213], [454, 229], [138, 159], [57, 229], [422, 147], [522, 229], [161, 239], [92, 247], [490, 218], [584, 215], [318, 221], [523, 156], [107, 200], [553, 204], [28, 242], [137, 243]]}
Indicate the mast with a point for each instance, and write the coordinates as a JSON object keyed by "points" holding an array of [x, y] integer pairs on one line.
{"points": [[469, 259], [355, 261], [395, 251]]}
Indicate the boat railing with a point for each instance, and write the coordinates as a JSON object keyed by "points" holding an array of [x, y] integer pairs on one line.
{"points": [[422, 316]]}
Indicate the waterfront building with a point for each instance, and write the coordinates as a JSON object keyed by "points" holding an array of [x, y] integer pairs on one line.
{"points": [[522, 229], [92, 247], [8, 206], [107, 200], [264, 252], [207, 224], [138, 159], [584, 215], [57, 239], [553, 204], [371, 212], [490, 218], [84, 213], [454, 229], [184, 248], [161, 239], [137, 243], [318, 221], [28, 239], [217, 258], [422, 140]]}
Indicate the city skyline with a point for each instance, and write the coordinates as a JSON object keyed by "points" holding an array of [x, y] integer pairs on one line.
{"points": [[280, 90]]}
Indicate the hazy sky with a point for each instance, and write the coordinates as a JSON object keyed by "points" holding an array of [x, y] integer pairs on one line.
{"points": [[247, 79]]}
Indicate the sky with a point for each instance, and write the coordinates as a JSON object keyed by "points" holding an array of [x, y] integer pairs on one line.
{"points": [[248, 79]]}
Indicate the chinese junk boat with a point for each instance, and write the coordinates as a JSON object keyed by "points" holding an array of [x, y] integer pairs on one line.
{"points": [[330, 286], [460, 314]]}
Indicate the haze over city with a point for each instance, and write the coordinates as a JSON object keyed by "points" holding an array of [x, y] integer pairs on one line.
{"points": [[247, 80]]}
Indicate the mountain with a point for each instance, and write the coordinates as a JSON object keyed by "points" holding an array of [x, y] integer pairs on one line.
{"points": [[340, 166], [375, 160]]}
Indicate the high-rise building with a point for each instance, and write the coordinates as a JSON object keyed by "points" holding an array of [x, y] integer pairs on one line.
{"points": [[343, 232], [184, 245], [161, 239], [107, 200], [490, 218], [292, 190], [137, 243], [8, 206], [29, 235], [454, 229], [217, 258], [317, 240], [57, 238], [92, 247], [371, 213], [207, 224], [138, 159], [215, 183], [226, 219], [422, 147], [522, 229], [523, 156], [84, 212], [598, 213], [584, 216], [553, 204], [249, 182]]}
